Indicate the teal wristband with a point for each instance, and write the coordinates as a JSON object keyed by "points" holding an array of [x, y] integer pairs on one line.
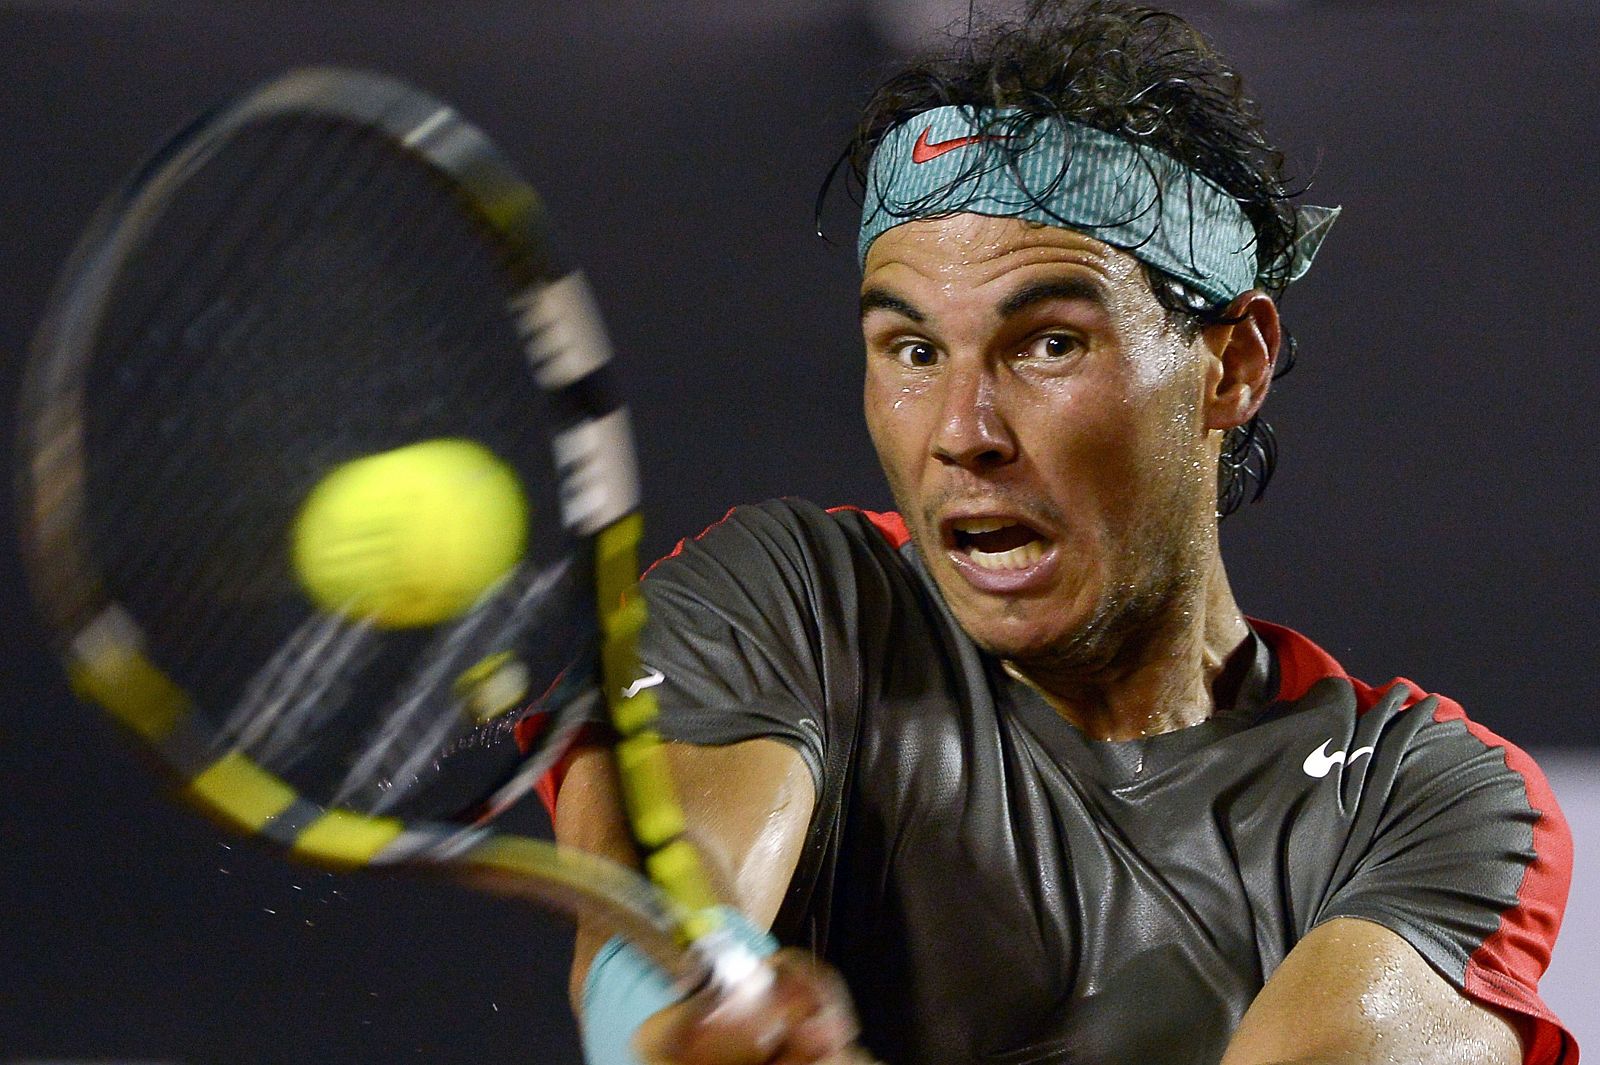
{"points": [[624, 987]]}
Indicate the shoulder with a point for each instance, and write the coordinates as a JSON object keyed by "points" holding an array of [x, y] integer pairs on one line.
{"points": [[1427, 737], [1458, 843], [1434, 729], [760, 626], [785, 537], [789, 521]]}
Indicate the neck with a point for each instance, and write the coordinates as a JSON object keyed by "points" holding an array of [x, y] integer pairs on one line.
{"points": [[1160, 676]]}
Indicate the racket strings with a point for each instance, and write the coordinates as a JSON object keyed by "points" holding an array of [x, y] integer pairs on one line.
{"points": [[151, 286], [249, 351], [318, 329], [217, 348], [187, 323], [413, 735], [414, 732], [212, 326], [296, 691]]}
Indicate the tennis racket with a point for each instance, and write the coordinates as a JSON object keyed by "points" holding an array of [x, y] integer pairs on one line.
{"points": [[313, 309]]}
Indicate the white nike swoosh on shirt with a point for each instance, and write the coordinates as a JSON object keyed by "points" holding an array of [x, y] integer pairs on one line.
{"points": [[1319, 763], [651, 678]]}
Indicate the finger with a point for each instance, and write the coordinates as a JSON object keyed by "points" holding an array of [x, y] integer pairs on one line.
{"points": [[702, 1030], [802, 1017], [823, 1024]]}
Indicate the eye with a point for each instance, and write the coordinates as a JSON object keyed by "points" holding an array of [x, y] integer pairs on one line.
{"points": [[916, 354], [1051, 347]]}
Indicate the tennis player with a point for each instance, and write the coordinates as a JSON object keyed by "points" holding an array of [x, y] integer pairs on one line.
{"points": [[1012, 762]]}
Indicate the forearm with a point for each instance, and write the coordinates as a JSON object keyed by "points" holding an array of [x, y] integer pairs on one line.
{"points": [[589, 817], [747, 805]]}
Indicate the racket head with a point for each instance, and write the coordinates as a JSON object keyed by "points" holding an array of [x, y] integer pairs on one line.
{"points": [[337, 266]]}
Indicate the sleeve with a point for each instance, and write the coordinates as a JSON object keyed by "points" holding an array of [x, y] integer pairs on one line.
{"points": [[1467, 856], [752, 629]]}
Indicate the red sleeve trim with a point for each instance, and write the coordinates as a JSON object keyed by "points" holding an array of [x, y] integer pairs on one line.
{"points": [[527, 732], [678, 548], [549, 785], [890, 524], [1505, 970]]}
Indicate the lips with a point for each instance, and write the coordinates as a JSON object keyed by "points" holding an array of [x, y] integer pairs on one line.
{"points": [[1000, 554]]}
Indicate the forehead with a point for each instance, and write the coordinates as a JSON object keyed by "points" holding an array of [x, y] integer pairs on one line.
{"points": [[978, 248], [968, 252]]}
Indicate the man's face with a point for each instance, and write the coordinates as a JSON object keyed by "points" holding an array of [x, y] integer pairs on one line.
{"points": [[1042, 426]]}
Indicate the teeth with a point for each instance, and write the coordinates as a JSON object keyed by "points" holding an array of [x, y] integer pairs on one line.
{"points": [[982, 525], [1016, 558]]}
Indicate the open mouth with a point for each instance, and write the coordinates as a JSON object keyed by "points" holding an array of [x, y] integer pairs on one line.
{"points": [[998, 543]]}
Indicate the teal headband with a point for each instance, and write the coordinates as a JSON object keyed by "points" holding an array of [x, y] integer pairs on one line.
{"points": [[1062, 173]]}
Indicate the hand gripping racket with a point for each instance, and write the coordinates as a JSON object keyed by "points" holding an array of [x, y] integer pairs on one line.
{"points": [[327, 498]]}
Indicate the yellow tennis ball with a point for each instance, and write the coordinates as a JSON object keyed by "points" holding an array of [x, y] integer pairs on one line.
{"points": [[412, 536]]}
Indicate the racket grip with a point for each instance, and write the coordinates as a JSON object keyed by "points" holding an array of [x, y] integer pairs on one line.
{"points": [[623, 987], [730, 956]]}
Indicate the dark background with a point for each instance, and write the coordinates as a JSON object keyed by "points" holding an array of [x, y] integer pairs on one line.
{"points": [[1433, 516]]}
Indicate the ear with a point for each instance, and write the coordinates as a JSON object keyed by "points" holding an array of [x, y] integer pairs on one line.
{"points": [[1243, 355]]}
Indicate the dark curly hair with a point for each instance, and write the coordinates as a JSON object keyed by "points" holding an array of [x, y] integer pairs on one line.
{"points": [[1146, 76]]}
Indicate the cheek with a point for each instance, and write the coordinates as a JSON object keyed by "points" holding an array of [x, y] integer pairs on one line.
{"points": [[893, 419], [1128, 443], [1165, 383], [1168, 459], [873, 405]]}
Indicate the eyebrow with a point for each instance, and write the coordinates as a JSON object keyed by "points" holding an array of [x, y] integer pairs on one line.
{"points": [[881, 299], [1067, 288], [1073, 289]]}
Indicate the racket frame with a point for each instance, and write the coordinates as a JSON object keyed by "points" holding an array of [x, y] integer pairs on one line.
{"points": [[672, 919]]}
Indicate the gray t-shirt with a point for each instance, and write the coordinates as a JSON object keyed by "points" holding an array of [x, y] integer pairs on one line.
{"points": [[996, 887]]}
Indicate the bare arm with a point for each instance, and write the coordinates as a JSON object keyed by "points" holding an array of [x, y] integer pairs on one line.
{"points": [[1352, 993], [748, 804]]}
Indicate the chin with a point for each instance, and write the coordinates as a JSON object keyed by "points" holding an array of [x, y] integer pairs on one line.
{"points": [[1005, 630], [1085, 629]]}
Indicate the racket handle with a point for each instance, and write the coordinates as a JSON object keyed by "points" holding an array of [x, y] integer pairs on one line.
{"points": [[730, 957]]}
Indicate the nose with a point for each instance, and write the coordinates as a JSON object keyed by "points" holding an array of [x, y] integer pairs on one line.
{"points": [[973, 432]]}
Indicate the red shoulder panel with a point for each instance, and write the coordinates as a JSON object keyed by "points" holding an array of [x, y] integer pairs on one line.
{"points": [[887, 522], [1302, 663], [1505, 970], [678, 547]]}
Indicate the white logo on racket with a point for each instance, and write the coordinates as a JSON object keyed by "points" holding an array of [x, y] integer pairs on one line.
{"points": [[651, 678], [599, 480], [560, 326], [1319, 763]]}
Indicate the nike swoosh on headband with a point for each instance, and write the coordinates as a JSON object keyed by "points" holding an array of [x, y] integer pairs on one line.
{"points": [[922, 151]]}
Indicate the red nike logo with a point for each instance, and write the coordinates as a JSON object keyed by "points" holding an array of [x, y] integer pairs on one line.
{"points": [[922, 151]]}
